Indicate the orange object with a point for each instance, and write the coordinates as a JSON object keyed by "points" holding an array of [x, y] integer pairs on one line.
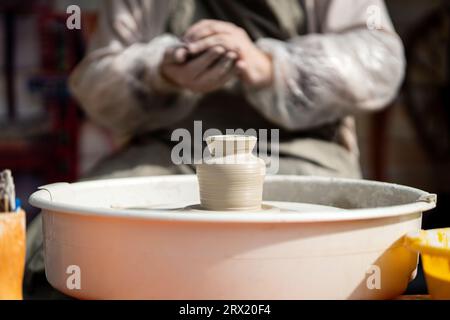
{"points": [[12, 254]]}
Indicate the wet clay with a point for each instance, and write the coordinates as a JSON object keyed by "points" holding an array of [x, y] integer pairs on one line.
{"points": [[232, 178]]}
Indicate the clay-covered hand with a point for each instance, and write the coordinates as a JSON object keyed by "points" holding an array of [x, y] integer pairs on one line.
{"points": [[208, 71], [255, 67]]}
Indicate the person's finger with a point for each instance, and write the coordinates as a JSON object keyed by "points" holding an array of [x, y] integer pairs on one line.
{"points": [[241, 66], [203, 30], [232, 55], [216, 77], [218, 74], [175, 54], [207, 28], [226, 63], [168, 55], [180, 54], [215, 40], [216, 71], [201, 63]]}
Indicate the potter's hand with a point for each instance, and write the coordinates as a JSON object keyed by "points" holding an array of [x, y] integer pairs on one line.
{"points": [[254, 66], [207, 72]]}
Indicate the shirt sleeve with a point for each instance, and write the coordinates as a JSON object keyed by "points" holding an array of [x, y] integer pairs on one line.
{"points": [[356, 64], [118, 83]]}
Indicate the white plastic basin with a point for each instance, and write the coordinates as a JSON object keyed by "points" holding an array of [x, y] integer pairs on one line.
{"points": [[126, 242]]}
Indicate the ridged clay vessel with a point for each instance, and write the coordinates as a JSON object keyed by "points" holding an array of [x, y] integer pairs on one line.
{"points": [[232, 178]]}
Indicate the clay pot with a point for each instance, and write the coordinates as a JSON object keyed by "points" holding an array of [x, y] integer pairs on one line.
{"points": [[232, 178]]}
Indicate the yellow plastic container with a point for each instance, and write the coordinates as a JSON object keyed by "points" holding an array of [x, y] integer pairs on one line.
{"points": [[434, 245], [12, 254]]}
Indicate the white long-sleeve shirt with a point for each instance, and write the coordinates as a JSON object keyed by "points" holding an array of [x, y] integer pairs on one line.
{"points": [[351, 60]]}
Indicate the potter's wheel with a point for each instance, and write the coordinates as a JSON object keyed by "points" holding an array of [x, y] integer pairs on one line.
{"points": [[319, 244]]}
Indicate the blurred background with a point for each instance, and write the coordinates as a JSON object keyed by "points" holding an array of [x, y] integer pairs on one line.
{"points": [[44, 136]]}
